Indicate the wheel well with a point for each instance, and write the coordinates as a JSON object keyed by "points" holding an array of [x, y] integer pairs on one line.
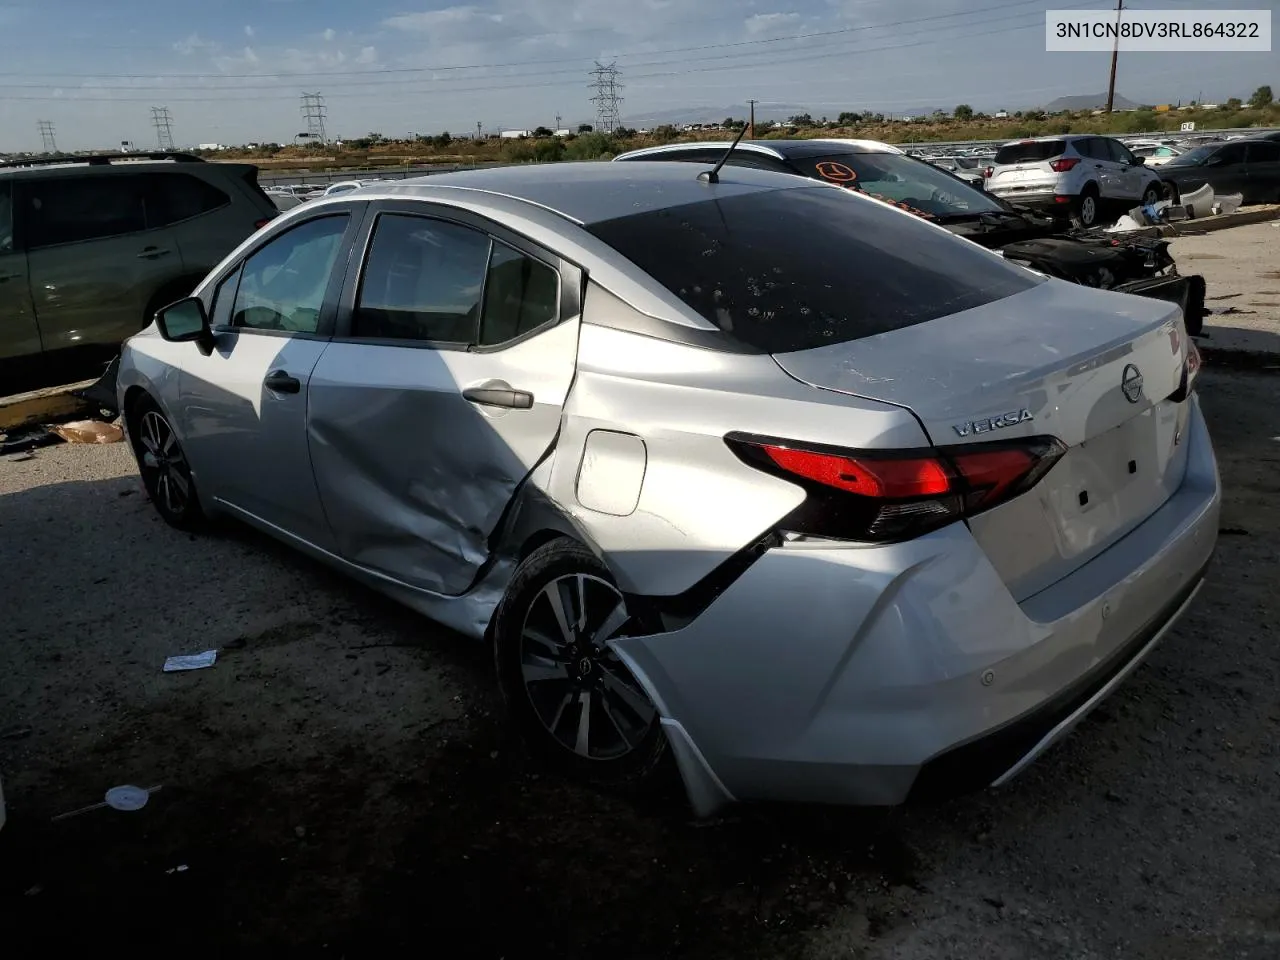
{"points": [[539, 539], [133, 397], [1090, 187]]}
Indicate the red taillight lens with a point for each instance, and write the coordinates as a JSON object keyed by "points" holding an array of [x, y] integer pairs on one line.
{"points": [[987, 171], [262, 223], [896, 495], [1063, 164], [1190, 372]]}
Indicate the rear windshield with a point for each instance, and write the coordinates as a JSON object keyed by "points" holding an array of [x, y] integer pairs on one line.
{"points": [[794, 269], [1032, 152]]}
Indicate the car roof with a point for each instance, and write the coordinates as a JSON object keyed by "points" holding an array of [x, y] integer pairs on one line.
{"points": [[781, 149], [591, 191]]}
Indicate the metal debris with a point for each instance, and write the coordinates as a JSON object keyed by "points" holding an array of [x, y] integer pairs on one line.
{"points": [[126, 798]]}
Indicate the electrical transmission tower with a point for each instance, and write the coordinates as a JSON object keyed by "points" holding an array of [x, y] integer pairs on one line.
{"points": [[46, 134], [314, 111], [608, 84], [162, 120]]}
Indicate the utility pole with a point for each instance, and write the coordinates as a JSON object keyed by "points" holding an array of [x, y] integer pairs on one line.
{"points": [[46, 135], [607, 84], [314, 112], [557, 122], [751, 126], [479, 126], [162, 120], [1115, 54]]}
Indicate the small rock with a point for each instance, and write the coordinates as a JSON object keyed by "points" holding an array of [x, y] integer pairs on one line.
{"points": [[300, 832], [493, 755], [996, 902], [1114, 797], [33, 891]]}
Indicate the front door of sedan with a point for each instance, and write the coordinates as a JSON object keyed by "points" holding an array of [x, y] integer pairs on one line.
{"points": [[1225, 171], [442, 391], [243, 406]]}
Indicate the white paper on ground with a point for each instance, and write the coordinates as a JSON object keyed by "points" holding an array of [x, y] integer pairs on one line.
{"points": [[194, 661]]}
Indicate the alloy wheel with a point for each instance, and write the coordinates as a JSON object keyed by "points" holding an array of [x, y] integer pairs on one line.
{"points": [[1088, 210], [580, 690], [164, 466]]}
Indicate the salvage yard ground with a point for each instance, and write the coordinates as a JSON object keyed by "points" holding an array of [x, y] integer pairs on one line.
{"points": [[338, 782]]}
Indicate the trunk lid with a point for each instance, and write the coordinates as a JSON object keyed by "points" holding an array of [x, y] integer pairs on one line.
{"points": [[1054, 360]]}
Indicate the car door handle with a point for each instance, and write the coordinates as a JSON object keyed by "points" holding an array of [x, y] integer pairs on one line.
{"points": [[507, 397], [153, 253], [280, 382]]}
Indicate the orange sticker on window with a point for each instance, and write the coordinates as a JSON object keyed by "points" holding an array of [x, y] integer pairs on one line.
{"points": [[836, 172]]}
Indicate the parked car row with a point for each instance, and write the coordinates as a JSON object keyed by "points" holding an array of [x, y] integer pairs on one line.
{"points": [[288, 196], [730, 467]]}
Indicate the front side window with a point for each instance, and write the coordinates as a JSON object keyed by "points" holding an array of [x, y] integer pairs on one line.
{"points": [[75, 209], [283, 284], [786, 270]]}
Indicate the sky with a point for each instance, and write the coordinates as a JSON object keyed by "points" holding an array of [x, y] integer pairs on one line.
{"points": [[234, 71]]}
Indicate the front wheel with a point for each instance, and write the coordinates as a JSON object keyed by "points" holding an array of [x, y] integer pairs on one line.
{"points": [[575, 703], [1151, 195], [166, 474]]}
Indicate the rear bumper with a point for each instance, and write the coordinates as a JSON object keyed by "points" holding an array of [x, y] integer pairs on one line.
{"points": [[869, 675]]}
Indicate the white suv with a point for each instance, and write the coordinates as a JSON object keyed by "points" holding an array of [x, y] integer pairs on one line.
{"points": [[1079, 175]]}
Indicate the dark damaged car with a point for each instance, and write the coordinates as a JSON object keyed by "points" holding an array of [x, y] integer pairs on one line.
{"points": [[1141, 266]]}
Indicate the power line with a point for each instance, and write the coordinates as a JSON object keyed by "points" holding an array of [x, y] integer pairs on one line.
{"points": [[750, 61], [607, 99], [162, 120], [46, 135], [314, 112]]}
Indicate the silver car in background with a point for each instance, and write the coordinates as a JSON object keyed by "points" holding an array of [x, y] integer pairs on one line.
{"points": [[747, 470]]}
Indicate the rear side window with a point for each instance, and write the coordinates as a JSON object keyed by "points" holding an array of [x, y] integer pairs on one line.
{"points": [[74, 209], [1261, 152], [174, 197], [1033, 152], [794, 269], [423, 281], [439, 282]]}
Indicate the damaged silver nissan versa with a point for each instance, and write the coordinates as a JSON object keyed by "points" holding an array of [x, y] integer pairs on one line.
{"points": [[734, 467]]}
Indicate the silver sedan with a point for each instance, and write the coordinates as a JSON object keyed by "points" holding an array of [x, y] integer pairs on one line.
{"points": [[744, 471]]}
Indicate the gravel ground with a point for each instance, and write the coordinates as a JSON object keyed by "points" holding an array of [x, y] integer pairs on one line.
{"points": [[1241, 268], [340, 782]]}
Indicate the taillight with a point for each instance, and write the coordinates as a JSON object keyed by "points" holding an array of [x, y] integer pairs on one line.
{"points": [[987, 172], [1190, 373], [1063, 164], [262, 223], [885, 496]]}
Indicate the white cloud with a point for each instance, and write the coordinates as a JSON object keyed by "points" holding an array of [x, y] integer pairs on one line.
{"points": [[193, 43], [329, 34], [249, 55], [367, 55], [428, 20], [772, 23], [248, 31]]}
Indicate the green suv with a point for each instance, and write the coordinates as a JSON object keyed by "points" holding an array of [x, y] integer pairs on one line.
{"points": [[91, 247]]}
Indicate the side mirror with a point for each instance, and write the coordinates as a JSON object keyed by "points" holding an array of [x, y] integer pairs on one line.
{"points": [[1139, 161], [185, 321]]}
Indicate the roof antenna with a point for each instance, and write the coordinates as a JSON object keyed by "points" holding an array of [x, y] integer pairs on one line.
{"points": [[713, 175]]}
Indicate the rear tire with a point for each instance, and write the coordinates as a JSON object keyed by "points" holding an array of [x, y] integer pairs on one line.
{"points": [[573, 702], [166, 474], [1151, 195], [1086, 211]]}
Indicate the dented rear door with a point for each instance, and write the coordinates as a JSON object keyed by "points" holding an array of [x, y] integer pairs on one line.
{"points": [[441, 393]]}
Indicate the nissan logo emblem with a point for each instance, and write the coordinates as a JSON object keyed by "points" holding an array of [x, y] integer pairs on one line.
{"points": [[1131, 383]]}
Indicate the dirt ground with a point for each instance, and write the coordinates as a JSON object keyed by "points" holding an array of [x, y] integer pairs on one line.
{"points": [[1241, 268], [339, 782]]}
